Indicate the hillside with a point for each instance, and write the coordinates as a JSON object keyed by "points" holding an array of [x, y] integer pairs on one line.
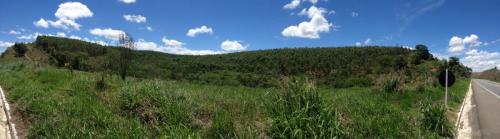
{"points": [[491, 74], [331, 66], [64, 88], [51, 102]]}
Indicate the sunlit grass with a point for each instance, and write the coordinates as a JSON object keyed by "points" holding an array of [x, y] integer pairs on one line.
{"points": [[61, 104]]}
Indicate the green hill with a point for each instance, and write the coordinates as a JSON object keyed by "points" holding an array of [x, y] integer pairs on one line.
{"points": [[57, 90], [331, 66]]}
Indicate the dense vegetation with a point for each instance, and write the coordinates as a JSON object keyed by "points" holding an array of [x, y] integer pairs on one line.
{"points": [[64, 88], [491, 74], [338, 67], [58, 103]]}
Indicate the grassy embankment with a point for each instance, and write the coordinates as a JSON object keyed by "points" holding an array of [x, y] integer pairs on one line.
{"points": [[56, 103]]}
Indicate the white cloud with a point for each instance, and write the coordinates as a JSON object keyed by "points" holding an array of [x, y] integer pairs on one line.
{"points": [[368, 41], [65, 24], [67, 13], [481, 60], [292, 5], [354, 14], [149, 28], [229, 45], [61, 34], [172, 43], [107, 33], [201, 30], [458, 44], [13, 32], [473, 40], [135, 18], [127, 1], [296, 3], [30, 36], [332, 12], [73, 10], [365, 43], [310, 29], [358, 44], [41, 23], [145, 45], [75, 37], [5, 44], [175, 49]]}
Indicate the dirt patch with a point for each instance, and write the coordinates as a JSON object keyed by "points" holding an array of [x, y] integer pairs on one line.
{"points": [[22, 125]]}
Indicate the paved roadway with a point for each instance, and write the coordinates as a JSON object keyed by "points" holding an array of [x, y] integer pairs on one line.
{"points": [[485, 116]]}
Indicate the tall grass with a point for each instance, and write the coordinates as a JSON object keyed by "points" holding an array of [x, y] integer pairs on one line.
{"points": [[298, 112], [59, 104]]}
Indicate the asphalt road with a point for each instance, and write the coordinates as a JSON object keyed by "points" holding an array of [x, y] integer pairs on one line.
{"points": [[485, 116]]}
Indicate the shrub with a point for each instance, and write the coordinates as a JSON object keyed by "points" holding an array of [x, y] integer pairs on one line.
{"points": [[434, 119], [390, 85], [20, 49], [298, 112]]}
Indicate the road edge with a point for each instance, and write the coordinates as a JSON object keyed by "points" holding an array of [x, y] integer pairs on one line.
{"points": [[6, 108], [464, 129]]}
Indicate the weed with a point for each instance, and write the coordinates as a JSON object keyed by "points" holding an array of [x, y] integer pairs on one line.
{"points": [[298, 112], [434, 119]]}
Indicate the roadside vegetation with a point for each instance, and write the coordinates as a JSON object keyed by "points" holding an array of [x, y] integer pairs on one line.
{"points": [[62, 88]]}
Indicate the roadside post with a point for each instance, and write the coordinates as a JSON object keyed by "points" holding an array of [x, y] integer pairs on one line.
{"points": [[446, 79]]}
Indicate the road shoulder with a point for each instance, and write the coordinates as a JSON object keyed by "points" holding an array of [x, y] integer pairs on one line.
{"points": [[464, 124]]}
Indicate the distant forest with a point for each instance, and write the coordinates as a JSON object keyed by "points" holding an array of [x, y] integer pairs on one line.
{"points": [[329, 66]]}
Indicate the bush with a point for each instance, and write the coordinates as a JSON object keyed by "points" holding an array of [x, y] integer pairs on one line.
{"points": [[390, 85], [20, 49], [434, 119], [298, 112]]}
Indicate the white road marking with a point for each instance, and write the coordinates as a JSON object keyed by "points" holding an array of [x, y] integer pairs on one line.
{"points": [[491, 92]]}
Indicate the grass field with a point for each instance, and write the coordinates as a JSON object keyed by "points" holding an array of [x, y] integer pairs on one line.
{"points": [[56, 103]]}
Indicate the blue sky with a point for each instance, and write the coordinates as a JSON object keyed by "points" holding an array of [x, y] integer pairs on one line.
{"points": [[462, 28]]}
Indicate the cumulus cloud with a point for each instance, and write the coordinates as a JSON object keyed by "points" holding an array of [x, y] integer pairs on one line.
{"points": [[473, 40], [229, 45], [457, 44], [135, 18], [201, 30], [41, 23], [310, 29], [292, 5], [481, 60], [358, 44], [172, 47], [67, 13], [5, 44], [177, 47], [149, 28], [172, 43], [107, 33], [73, 10], [13, 32], [65, 24], [30, 36], [296, 3], [127, 1]]}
